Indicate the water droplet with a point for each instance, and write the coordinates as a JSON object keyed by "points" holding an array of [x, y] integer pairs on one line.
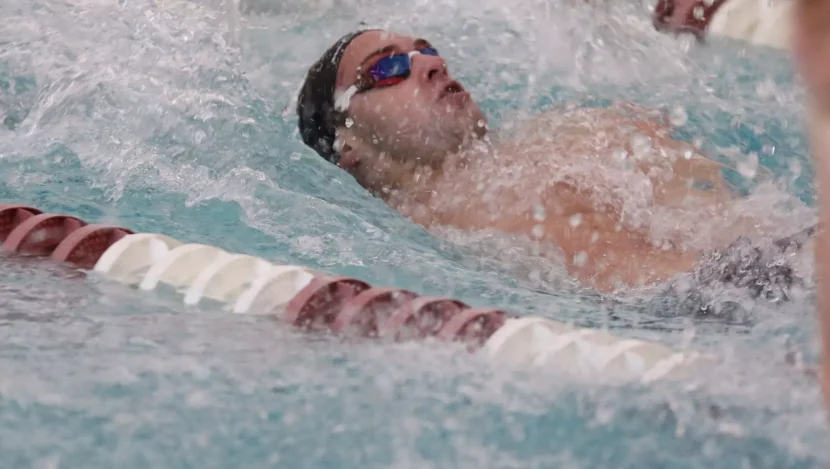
{"points": [[349, 122], [539, 214], [575, 220], [678, 116], [748, 168], [640, 145], [765, 89], [580, 258], [620, 154], [535, 275], [538, 231], [795, 168]]}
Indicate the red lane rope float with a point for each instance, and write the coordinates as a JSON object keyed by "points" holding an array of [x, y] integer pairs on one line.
{"points": [[319, 302], [41, 234], [689, 16], [84, 246], [367, 313], [473, 326], [763, 23], [13, 215], [422, 317]]}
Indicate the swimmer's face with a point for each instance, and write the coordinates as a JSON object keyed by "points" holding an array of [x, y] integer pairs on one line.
{"points": [[422, 117]]}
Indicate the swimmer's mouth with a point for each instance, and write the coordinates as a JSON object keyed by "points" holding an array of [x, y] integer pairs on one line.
{"points": [[451, 88]]}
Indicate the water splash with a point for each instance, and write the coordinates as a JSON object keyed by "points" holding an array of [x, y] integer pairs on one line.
{"points": [[170, 117]]}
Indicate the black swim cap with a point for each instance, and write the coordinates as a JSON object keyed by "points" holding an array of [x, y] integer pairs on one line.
{"points": [[315, 104]]}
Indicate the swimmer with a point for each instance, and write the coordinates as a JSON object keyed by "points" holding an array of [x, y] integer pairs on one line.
{"points": [[592, 182], [811, 48]]}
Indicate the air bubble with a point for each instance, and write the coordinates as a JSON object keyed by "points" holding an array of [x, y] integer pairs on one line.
{"points": [[538, 231], [640, 145], [795, 168], [539, 214], [480, 123], [765, 89], [678, 116], [349, 122], [580, 258], [748, 168], [575, 220], [688, 154], [698, 12]]}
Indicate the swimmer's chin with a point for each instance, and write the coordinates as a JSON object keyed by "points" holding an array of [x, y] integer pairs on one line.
{"points": [[473, 148], [474, 136]]}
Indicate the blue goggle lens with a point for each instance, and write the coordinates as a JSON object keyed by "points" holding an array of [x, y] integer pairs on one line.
{"points": [[394, 68]]}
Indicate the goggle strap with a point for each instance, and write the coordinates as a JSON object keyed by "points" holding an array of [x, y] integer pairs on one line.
{"points": [[341, 103]]}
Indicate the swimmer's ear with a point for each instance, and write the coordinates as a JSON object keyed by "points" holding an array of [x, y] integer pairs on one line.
{"points": [[348, 157]]}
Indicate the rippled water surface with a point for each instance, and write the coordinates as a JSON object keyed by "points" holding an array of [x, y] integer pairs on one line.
{"points": [[168, 116]]}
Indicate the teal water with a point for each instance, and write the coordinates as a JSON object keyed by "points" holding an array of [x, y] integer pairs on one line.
{"points": [[168, 117]]}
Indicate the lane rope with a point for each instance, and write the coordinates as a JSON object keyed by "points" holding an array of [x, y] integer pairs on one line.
{"points": [[318, 301], [758, 22]]}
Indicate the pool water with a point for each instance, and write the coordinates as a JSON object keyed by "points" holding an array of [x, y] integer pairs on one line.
{"points": [[171, 117]]}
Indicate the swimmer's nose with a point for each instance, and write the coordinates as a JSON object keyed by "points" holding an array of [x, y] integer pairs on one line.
{"points": [[430, 68]]}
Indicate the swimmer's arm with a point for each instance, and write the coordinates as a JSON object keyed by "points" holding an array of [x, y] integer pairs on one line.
{"points": [[811, 47], [600, 251], [650, 123]]}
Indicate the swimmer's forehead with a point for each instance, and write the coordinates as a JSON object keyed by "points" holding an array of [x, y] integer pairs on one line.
{"points": [[369, 46]]}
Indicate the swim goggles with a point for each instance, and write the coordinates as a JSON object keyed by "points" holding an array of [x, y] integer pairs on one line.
{"points": [[387, 71]]}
